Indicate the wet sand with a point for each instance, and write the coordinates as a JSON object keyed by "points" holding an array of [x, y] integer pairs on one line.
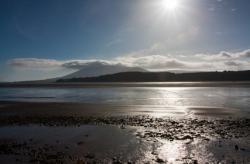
{"points": [[96, 133]]}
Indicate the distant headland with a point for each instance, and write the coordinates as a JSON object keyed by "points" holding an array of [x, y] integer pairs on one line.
{"points": [[165, 77]]}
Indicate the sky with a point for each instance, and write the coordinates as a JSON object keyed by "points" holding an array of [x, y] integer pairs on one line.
{"points": [[51, 38]]}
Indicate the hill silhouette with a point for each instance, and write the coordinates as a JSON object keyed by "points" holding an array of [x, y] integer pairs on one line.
{"points": [[95, 69], [165, 77]]}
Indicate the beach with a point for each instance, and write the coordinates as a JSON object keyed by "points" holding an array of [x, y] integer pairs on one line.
{"points": [[124, 82], [42, 132]]}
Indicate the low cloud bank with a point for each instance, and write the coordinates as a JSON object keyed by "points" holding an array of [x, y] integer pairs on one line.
{"points": [[198, 62]]}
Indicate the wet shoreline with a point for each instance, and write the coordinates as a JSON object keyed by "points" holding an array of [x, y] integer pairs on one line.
{"points": [[124, 84], [76, 133]]}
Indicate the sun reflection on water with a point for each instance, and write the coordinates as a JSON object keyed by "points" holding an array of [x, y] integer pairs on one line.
{"points": [[172, 152]]}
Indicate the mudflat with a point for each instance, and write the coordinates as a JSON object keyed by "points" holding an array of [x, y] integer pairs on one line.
{"points": [[96, 133]]}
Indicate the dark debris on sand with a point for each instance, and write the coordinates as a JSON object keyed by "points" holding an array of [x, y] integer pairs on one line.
{"points": [[165, 128], [171, 129]]}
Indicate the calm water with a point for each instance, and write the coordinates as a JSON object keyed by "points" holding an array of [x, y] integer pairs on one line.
{"points": [[223, 97]]}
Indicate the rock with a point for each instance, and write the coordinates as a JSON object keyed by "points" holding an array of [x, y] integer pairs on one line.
{"points": [[116, 160], [242, 149], [195, 162], [122, 126], [80, 161], [159, 160], [80, 143], [236, 147], [154, 153], [90, 156], [206, 139], [186, 137], [52, 156]]}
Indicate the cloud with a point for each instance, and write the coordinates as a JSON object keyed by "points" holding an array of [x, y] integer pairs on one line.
{"points": [[224, 55], [245, 54], [233, 9], [78, 64], [159, 62], [114, 42], [34, 63], [150, 59], [37, 63], [234, 63]]}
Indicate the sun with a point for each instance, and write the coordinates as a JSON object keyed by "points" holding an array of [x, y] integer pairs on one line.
{"points": [[170, 5]]}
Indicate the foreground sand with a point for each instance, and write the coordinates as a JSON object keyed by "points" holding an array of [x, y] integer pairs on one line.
{"points": [[80, 133]]}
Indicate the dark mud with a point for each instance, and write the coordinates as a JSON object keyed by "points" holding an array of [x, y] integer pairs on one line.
{"points": [[228, 139], [168, 128]]}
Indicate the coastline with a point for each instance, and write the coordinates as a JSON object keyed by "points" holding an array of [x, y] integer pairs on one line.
{"points": [[125, 84]]}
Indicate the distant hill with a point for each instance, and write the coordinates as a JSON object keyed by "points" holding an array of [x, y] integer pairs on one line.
{"points": [[92, 69], [165, 77], [97, 69]]}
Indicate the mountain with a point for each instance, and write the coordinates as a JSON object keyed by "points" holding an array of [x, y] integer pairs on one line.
{"points": [[94, 69], [165, 76]]}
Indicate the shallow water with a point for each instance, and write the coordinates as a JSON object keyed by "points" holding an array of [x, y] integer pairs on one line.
{"points": [[109, 142], [216, 97], [104, 142]]}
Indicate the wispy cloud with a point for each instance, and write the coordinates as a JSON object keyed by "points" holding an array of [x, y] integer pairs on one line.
{"points": [[34, 63], [224, 55], [78, 64], [161, 63], [114, 42]]}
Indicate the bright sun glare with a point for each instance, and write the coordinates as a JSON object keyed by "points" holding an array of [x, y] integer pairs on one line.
{"points": [[170, 5]]}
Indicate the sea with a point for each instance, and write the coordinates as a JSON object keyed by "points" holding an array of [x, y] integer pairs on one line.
{"points": [[231, 97]]}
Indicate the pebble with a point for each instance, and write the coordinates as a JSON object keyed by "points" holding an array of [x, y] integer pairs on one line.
{"points": [[80, 143], [90, 155], [236, 147], [159, 160]]}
